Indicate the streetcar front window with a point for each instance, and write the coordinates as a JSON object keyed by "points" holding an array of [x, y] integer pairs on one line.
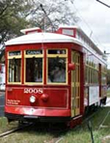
{"points": [[14, 67], [34, 66], [57, 66], [34, 70], [57, 70]]}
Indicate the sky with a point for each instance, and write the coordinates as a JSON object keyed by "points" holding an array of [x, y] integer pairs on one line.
{"points": [[95, 21]]}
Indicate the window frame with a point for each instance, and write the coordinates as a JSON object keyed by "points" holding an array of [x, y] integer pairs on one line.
{"points": [[30, 57], [9, 57]]}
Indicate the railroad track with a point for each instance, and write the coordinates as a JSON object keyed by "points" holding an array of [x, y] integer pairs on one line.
{"points": [[14, 130], [56, 139]]}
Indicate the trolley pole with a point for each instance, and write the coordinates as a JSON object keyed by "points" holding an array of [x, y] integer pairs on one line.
{"points": [[45, 14], [90, 129], [103, 3]]}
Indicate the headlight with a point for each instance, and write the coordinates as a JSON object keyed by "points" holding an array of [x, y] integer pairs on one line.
{"points": [[32, 99]]}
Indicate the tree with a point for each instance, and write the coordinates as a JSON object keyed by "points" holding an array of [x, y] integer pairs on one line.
{"points": [[13, 15], [52, 13], [19, 14]]}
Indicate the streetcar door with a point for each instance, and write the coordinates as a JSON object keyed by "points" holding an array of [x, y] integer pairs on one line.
{"points": [[75, 85]]}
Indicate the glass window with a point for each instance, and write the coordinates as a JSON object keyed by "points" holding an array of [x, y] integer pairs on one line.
{"points": [[68, 32], [14, 66], [33, 69], [57, 66], [57, 70]]}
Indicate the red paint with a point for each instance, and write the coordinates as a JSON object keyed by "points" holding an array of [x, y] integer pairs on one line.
{"points": [[71, 66], [22, 110], [82, 84], [74, 30], [45, 97], [51, 97]]}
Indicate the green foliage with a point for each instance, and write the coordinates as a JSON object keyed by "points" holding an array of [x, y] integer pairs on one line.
{"points": [[19, 14], [49, 14], [13, 17]]}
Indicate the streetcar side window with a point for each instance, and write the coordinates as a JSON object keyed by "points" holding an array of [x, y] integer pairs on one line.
{"points": [[34, 66], [103, 75], [57, 66], [14, 67]]}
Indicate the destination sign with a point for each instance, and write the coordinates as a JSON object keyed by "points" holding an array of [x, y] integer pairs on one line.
{"points": [[56, 51], [33, 52], [15, 53]]}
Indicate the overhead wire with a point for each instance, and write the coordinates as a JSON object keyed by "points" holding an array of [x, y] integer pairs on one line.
{"points": [[94, 37]]}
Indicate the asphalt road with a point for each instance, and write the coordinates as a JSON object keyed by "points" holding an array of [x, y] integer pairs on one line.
{"points": [[2, 102]]}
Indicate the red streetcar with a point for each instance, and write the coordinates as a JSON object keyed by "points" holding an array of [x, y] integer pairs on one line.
{"points": [[52, 77]]}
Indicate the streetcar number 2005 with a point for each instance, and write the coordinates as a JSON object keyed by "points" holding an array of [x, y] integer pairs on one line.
{"points": [[33, 90]]}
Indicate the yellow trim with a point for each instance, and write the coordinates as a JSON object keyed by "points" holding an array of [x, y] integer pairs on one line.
{"points": [[105, 73], [14, 83], [56, 55], [54, 83], [24, 68], [46, 68], [92, 67], [14, 57], [34, 56], [75, 85], [33, 83]]}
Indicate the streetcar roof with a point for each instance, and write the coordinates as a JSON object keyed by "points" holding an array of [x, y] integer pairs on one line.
{"points": [[42, 37]]}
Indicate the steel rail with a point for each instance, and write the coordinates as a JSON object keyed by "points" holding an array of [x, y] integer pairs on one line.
{"points": [[14, 130]]}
